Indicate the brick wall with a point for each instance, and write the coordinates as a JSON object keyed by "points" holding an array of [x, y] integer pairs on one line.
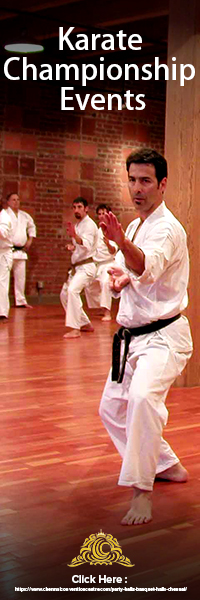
{"points": [[50, 156]]}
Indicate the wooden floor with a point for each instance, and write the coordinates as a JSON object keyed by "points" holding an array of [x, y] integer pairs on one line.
{"points": [[58, 469]]}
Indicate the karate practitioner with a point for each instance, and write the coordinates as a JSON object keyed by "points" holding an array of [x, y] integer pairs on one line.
{"points": [[103, 257], [83, 244], [6, 258], [152, 278], [24, 231]]}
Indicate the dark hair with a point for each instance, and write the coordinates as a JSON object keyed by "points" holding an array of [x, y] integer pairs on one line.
{"points": [[80, 200], [11, 194], [149, 156], [101, 207]]}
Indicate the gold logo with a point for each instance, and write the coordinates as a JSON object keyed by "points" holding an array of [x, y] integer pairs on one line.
{"points": [[92, 551]]}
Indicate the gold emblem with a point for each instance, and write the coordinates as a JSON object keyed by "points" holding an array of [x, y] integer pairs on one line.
{"points": [[92, 551]]}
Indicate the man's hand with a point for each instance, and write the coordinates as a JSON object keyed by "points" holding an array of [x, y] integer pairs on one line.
{"points": [[27, 245], [70, 247], [118, 279], [134, 256], [112, 229], [70, 229], [72, 233], [106, 240]]}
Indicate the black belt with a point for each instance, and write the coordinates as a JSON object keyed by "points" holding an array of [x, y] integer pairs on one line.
{"points": [[17, 248], [126, 334]]}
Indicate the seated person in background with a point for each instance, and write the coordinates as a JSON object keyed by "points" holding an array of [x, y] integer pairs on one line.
{"points": [[103, 258]]}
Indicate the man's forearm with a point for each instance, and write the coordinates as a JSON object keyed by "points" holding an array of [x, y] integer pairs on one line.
{"points": [[78, 239], [28, 243], [134, 257]]}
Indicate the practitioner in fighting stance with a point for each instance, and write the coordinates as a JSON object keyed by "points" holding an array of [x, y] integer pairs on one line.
{"points": [[98, 293], [151, 277], [82, 246]]}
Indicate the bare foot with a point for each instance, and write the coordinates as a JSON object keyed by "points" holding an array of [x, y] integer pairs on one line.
{"points": [[107, 316], [87, 327], [140, 511], [176, 473], [74, 333]]}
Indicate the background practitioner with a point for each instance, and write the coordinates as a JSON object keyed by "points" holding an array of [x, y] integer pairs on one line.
{"points": [[6, 258], [24, 231], [103, 257], [83, 243]]}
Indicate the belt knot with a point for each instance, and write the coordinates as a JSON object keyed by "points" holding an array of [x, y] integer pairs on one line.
{"points": [[125, 334]]}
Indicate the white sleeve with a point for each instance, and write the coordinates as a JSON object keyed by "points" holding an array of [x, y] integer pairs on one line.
{"points": [[31, 228], [89, 237], [5, 226], [159, 251]]}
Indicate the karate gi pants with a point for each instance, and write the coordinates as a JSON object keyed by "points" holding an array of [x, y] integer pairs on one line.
{"points": [[134, 412], [5, 268], [99, 292], [70, 296], [19, 274]]}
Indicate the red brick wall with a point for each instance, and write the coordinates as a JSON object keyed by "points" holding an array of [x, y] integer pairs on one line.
{"points": [[50, 156]]}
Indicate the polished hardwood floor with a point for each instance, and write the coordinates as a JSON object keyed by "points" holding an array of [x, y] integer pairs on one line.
{"points": [[58, 469]]}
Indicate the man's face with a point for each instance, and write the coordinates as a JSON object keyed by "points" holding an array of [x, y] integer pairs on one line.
{"points": [[101, 212], [145, 191], [14, 202], [80, 211]]}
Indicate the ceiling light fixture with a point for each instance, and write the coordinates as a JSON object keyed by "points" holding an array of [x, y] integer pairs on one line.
{"points": [[24, 47]]}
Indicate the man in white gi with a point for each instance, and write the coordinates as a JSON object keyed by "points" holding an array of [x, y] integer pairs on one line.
{"points": [[152, 277], [24, 231], [103, 258], [6, 258], [83, 243]]}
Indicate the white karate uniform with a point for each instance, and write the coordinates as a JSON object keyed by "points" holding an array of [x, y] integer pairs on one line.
{"points": [[98, 293], [6, 257], [71, 290], [134, 411], [23, 227]]}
